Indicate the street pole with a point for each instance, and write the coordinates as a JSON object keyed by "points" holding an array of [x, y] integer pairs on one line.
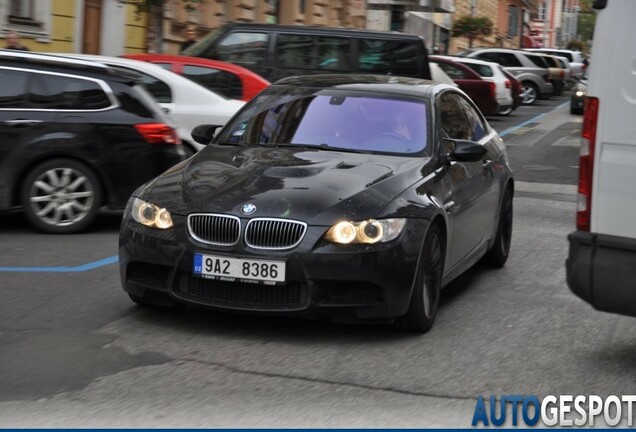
{"points": [[545, 23]]}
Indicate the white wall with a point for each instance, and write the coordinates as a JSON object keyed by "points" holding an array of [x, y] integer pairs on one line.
{"points": [[113, 34]]}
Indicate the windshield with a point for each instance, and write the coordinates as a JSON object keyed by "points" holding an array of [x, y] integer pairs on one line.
{"points": [[357, 121]]}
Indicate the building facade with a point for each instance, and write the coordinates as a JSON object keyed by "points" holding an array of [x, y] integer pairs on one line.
{"points": [[74, 26]]}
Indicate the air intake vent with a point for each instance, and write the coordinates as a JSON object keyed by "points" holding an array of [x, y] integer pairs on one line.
{"points": [[265, 233], [215, 229]]}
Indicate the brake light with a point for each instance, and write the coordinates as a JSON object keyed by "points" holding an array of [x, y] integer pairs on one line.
{"points": [[493, 89], [158, 133], [586, 164], [508, 84], [546, 77]]}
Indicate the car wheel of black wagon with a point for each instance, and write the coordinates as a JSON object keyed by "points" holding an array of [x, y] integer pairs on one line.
{"points": [[428, 283], [498, 254], [61, 196]]}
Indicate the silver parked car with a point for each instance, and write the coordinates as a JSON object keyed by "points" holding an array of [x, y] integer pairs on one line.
{"points": [[535, 79]]}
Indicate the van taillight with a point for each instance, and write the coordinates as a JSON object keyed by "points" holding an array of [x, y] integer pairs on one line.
{"points": [[586, 164], [158, 133]]}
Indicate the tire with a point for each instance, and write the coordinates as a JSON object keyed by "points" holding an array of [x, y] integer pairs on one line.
{"points": [[529, 92], [61, 196], [498, 254], [505, 112], [428, 284]]}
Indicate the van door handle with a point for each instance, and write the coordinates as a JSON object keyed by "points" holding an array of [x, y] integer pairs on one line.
{"points": [[21, 122]]}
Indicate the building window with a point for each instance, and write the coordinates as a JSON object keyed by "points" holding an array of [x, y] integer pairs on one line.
{"points": [[29, 18], [541, 14], [22, 12], [513, 21]]}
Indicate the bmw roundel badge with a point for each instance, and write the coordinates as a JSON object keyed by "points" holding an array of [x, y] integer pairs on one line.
{"points": [[248, 209]]}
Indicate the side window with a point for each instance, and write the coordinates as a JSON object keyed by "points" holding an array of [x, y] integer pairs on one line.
{"points": [[243, 48], [313, 52], [388, 56], [60, 92], [504, 59], [537, 60], [13, 86], [478, 128], [481, 69], [219, 81], [166, 66], [295, 51], [453, 119], [510, 60], [452, 71], [157, 88], [333, 53]]}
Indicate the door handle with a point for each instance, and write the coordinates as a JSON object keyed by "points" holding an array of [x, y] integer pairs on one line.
{"points": [[22, 122]]}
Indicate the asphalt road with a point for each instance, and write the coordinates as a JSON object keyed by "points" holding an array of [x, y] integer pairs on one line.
{"points": [[75, 352]]}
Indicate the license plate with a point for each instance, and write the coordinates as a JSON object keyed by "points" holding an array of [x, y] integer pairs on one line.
{"points": [[231, 269]]}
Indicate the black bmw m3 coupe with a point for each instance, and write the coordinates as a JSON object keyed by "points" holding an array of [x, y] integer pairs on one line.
{"points": [[346, 196]]}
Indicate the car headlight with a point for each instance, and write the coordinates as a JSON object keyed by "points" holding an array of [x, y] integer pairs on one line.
{"points": [[367, 231], [150, 215], [580, 93]]}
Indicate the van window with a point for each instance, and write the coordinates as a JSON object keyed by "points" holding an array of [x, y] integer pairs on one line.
{"points": [[388, 56], [311, 52], [243, 48]]}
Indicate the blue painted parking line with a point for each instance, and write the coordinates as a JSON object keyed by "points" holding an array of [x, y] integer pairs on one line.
{"points": [[80, 268], [527, 122]]}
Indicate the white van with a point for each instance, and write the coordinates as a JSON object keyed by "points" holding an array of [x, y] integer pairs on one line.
{"points": [[601, 265]]}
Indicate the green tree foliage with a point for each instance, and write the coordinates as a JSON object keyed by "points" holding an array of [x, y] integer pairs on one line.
{"points": [[576, 45], [472, 28]]}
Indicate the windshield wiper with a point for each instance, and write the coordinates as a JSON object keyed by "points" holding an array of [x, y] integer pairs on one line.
{"points": [[345, 149]]}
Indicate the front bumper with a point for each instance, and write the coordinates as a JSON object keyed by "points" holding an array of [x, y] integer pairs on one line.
{"points": [[322, 279], [601, 269]]}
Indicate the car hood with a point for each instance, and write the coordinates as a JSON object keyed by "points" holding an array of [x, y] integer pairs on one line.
{"points": [[316, 186]]}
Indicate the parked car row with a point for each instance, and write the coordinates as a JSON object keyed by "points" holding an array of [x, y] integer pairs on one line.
{"points": [[541, 73], [493, 90]]}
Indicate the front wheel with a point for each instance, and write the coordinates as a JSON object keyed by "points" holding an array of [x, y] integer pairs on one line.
{"points": [[61, 196], [498, 254], [428, 285]]}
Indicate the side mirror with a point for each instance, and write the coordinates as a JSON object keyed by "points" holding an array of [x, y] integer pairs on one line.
{"points": [[467, 151], [203, 134]]}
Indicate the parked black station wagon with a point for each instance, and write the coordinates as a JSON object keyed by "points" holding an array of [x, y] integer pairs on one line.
{"points": [[74, 136], [347, 196]]}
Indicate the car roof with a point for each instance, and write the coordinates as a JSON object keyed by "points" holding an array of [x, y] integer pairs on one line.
{"points": [[200, 61], [322, 30], [167, 76], [58, 63], [473, 61], [376, 83]]}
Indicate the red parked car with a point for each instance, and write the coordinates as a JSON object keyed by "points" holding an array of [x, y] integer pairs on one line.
{"points": [[481, 91], [228, 79]]}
